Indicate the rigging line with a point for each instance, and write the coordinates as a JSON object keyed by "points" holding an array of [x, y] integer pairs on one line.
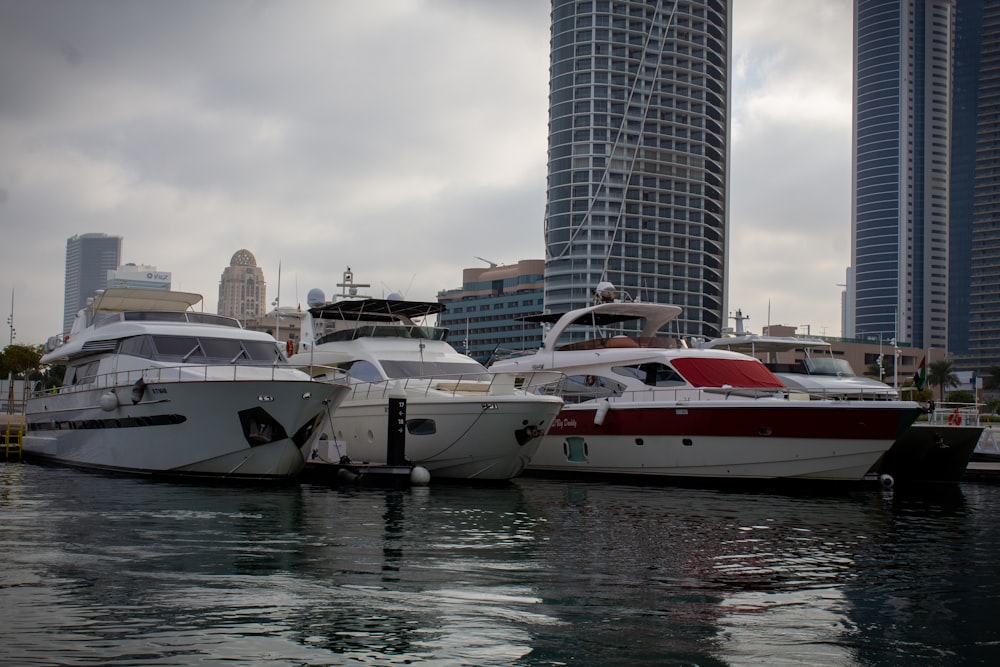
{"points": [[620, 134], [645, 111]]}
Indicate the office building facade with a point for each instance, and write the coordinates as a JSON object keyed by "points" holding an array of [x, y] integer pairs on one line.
{"points": [[637, 190], [242, 290], [482, 316], [89, 258], [901, 161], [974, 322], [139, 276]]}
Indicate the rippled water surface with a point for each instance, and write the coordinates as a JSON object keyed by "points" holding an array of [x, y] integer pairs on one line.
{"points": [[101, 570]]}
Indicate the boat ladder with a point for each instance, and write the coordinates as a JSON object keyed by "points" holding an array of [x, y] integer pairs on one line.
{"points": [[12, 434]]}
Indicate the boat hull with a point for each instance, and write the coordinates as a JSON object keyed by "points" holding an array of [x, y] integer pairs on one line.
{"points": [[723, 439], [226, 429], [931, 453], [486, 438]]}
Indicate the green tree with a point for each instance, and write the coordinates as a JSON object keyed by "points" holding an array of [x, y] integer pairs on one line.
{"points": [[992, 378], [961, 396], [19, 359], [941, 374]]}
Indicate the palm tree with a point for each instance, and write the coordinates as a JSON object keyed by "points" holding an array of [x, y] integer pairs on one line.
{"points": [[942, 374], [992, 379]]}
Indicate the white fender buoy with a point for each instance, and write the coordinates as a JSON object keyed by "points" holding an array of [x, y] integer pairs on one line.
{"points": [[602, 412], [108, 401], [886, 481], [420, 476]]}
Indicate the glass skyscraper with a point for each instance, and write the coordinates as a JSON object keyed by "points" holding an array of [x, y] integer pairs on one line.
{"points": [[902, 154], [89, 257], [638, 159]]}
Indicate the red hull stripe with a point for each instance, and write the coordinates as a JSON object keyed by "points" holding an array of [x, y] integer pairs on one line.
{"points": [[820, 423]]}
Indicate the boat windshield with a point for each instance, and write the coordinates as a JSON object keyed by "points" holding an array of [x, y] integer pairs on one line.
{"points": [[385, 331], [736, 373], [828, 366], [200, 350], [468, 370]]}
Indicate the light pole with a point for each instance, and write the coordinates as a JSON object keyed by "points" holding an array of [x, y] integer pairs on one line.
{"points": [[10, 318]]}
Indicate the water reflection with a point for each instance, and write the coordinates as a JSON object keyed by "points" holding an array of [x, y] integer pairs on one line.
{"points": [[114, 570]]}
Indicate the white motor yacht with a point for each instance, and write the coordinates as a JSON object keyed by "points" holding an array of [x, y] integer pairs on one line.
{"points": [[640, 403], [936, 449], [153, 387], [462, 421]]}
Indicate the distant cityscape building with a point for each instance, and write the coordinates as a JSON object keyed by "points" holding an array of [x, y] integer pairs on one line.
{"points": [[481, 315], [89, 258], [925, 240], [139, 276], [242, 290], [638, 155], [974, 296], [902, 160]]}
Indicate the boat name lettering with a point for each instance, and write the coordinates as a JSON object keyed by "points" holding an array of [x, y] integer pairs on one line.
{"points": [[565, 423], [158, 390]]}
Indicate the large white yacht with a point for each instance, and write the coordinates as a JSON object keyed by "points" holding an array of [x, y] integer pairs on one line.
{"points": [[639, 403], [462, 421], [936, 449], [153, 387]]}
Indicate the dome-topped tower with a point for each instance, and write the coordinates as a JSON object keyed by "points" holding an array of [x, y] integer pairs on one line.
{"points": [[243, 257], [242, 290]]}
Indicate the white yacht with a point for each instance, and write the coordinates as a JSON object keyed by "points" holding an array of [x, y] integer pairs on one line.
{"points": [[462, 421], [153, 387], [639, 403], [936, 449]]}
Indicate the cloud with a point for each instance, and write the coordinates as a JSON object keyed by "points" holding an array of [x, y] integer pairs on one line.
{"points": [[401, 138]]}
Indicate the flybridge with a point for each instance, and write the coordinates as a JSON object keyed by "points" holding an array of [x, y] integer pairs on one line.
{"points": [[376, 310]]}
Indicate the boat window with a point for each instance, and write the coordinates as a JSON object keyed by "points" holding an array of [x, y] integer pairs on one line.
{"points": [[421, 427], [653, 374], [153, 316], [579, 388], [209, 318], [469, 370], [223, 349], [177, 348], [263, 351], [84, 373], [136, 346], [364, 371]]}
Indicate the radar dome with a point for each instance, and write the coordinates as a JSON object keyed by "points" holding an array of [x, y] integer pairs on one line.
{"points": [[394, 296], [605, 292], [315, 298]]}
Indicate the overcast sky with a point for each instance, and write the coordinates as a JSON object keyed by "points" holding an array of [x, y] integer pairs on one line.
{"points": [[404, 138]]}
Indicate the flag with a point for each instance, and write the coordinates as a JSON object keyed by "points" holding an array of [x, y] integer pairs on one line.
{"points": [[920, 377]]}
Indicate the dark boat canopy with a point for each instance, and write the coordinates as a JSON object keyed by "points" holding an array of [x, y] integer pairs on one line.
{"points": [[376, 310]]}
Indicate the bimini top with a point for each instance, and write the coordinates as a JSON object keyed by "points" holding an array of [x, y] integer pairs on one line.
{"points": [[653, 315], [376, 310], [119, 299]]}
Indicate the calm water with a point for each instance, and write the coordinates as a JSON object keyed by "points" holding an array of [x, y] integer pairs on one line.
{"points": [[122, 571]]}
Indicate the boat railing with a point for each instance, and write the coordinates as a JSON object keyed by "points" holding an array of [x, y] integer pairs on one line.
{"points": [[988, 441], [174, 374], [476, 384], [954, 414]]}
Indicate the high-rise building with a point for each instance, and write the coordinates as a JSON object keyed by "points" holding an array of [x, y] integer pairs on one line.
{"points": [[139, 276], [89, 257], [903, 65], [481, 316], [242, 290], [974, 315], [637, 194]]}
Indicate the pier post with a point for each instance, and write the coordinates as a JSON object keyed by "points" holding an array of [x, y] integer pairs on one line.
{"points": [[396, 445]]}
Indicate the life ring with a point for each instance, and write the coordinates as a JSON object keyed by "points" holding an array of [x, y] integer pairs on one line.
{"points": [[289, 347], [955, 418], [591, 380]]}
